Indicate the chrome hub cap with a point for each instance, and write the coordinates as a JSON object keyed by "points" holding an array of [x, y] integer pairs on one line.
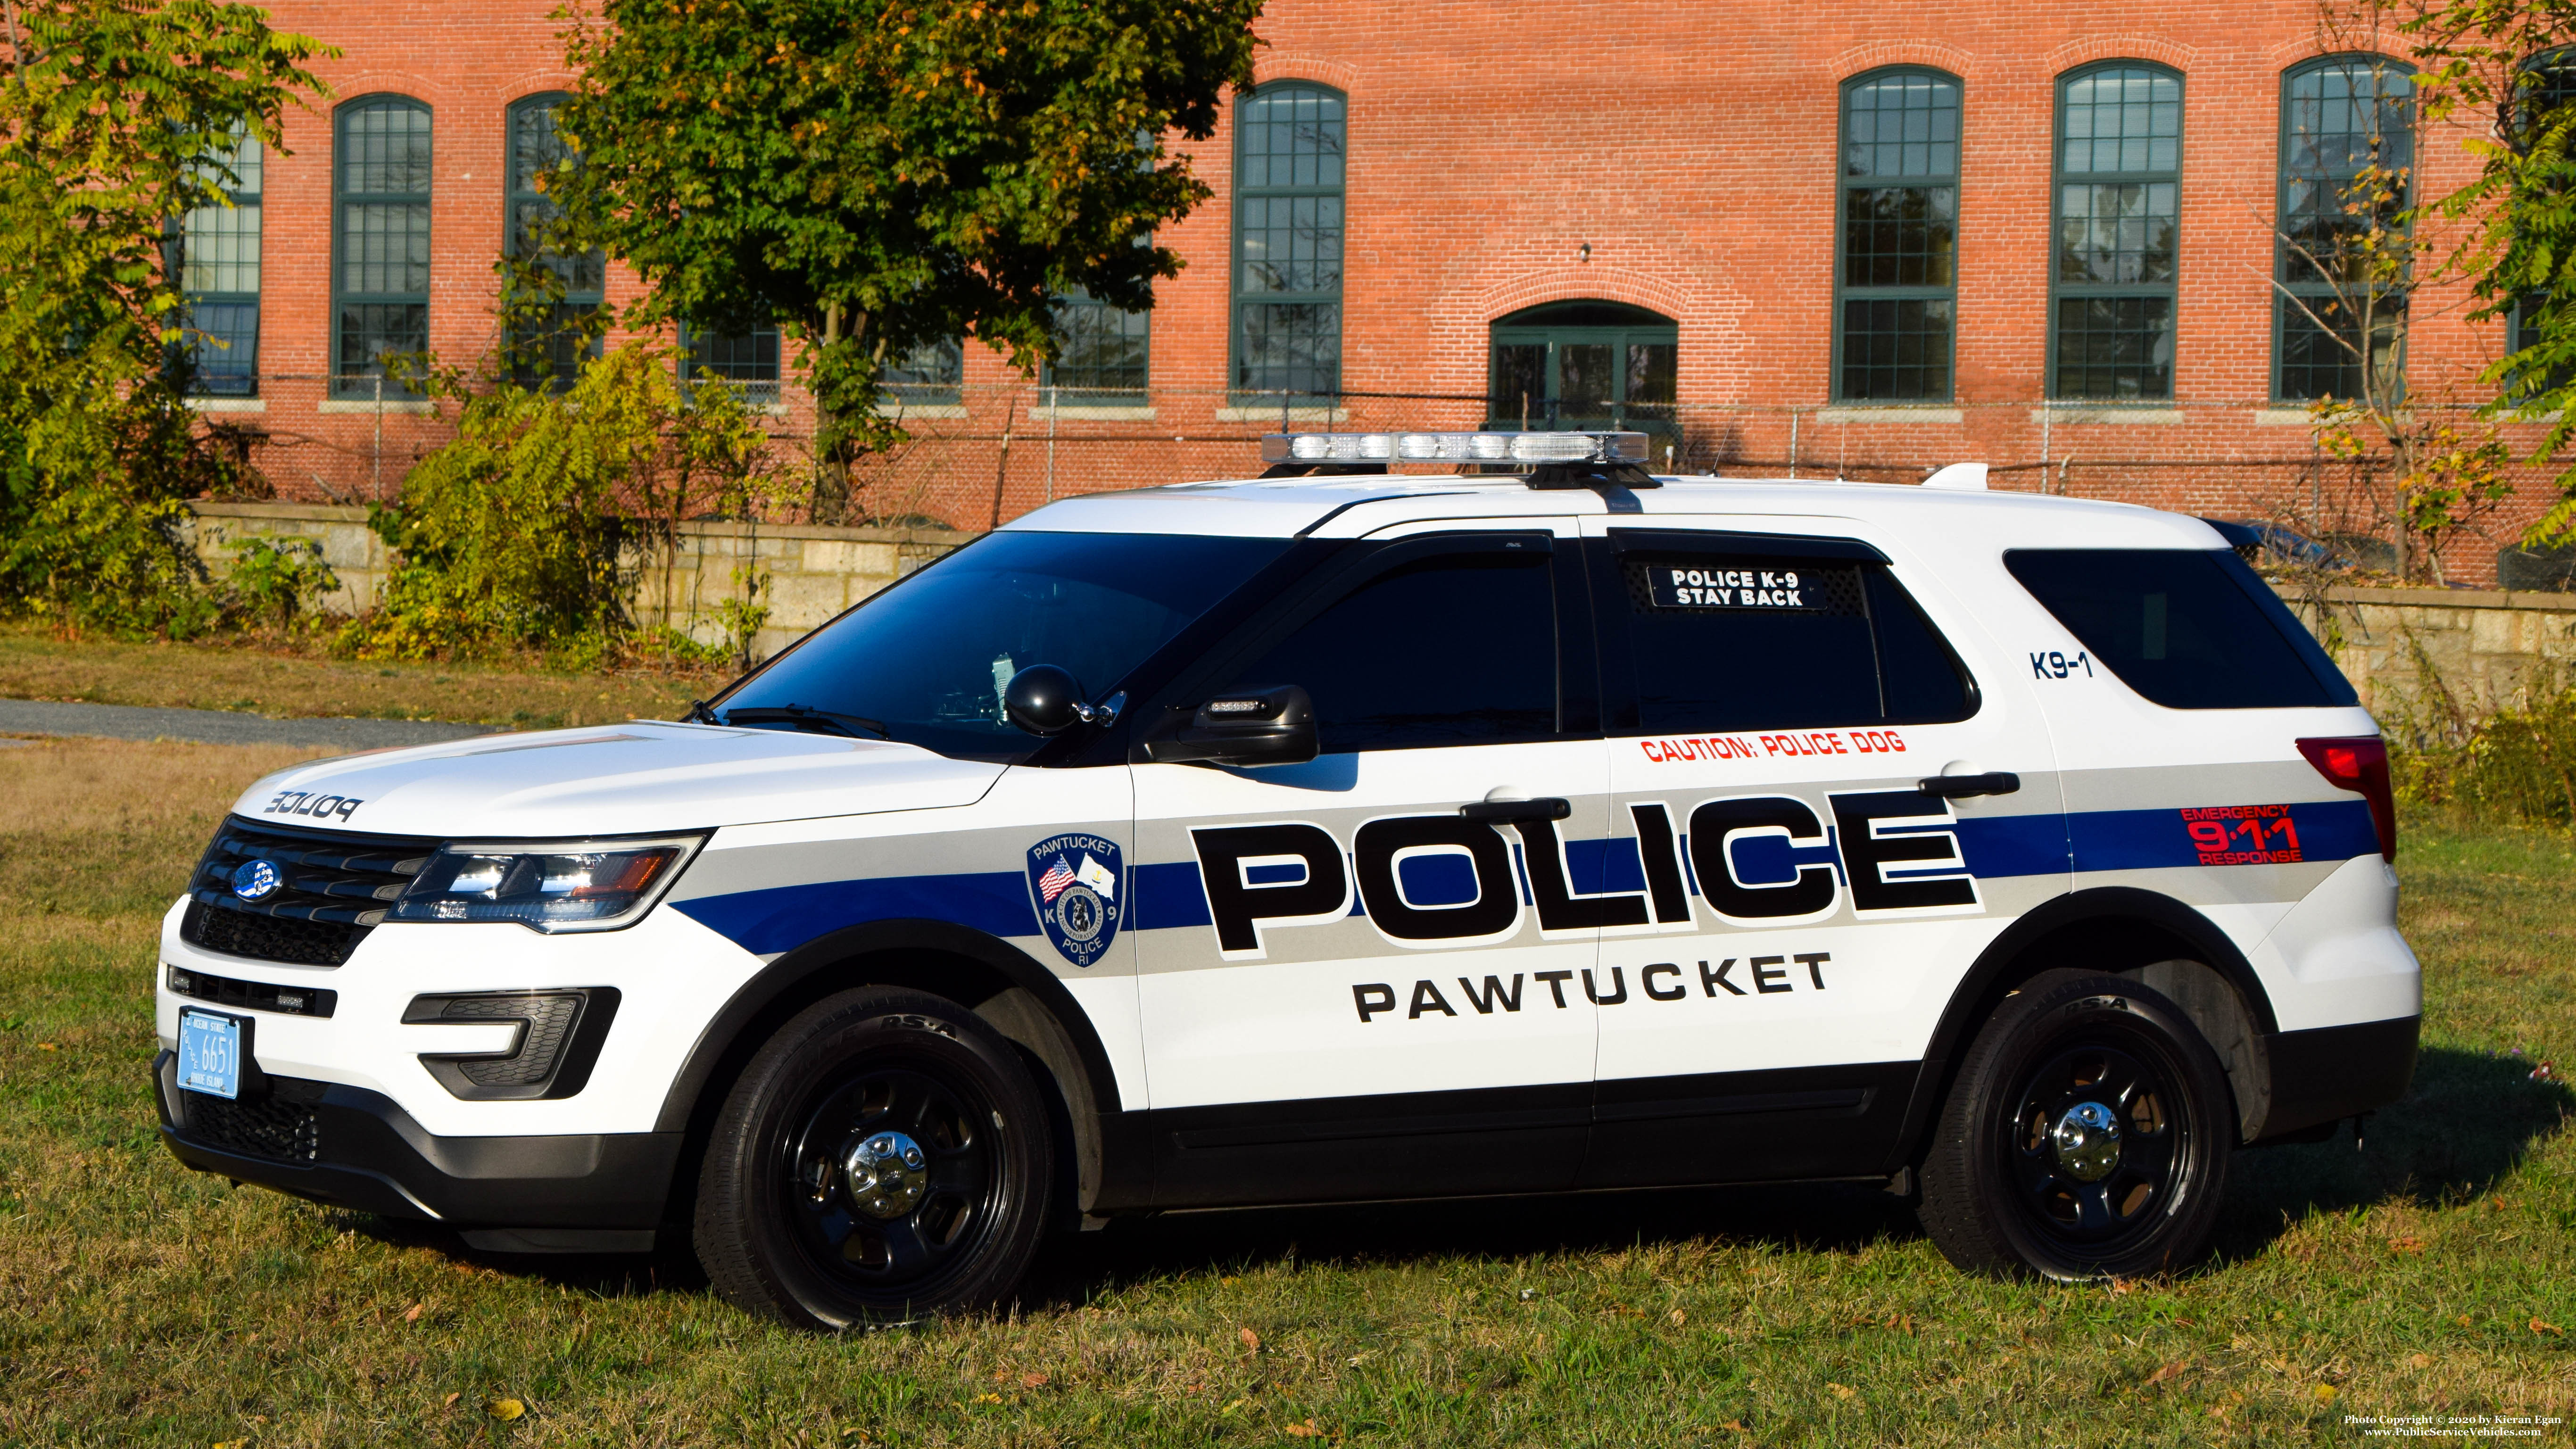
{"points": [[2086, 1142], [885, 1174]]}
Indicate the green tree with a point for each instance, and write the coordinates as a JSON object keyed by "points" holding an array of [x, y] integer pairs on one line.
{"points": [[109, 110], [872, 175]]}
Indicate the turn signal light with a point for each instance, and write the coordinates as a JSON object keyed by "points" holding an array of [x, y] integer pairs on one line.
{"points": [[2360, 764]]}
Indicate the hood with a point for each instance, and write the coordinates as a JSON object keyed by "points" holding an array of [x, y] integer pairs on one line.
{"points": [[631, 779]]}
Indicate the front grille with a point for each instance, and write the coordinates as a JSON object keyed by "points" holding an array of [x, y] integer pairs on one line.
{"points": [[279, 1130], [333, 890], [257, 995]]}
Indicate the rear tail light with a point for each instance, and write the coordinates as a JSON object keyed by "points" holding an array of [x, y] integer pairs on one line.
{"points": [[2360, 764]]}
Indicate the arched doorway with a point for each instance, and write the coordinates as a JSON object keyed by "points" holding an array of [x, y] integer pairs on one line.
{"points": [[1569, 366]]}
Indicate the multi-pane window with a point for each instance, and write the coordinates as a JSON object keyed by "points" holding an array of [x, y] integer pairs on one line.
{"points": [[1102, 353], [2542, 91], [746, 362], [219, 275], [380, 241], [1899, 230], [930, 375], [2118, 212], [1587, 364], [1288, 152], [547, 345], [2347, 173]]}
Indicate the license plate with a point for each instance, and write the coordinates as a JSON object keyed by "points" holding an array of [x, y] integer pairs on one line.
{"points": [[210, 1053]]}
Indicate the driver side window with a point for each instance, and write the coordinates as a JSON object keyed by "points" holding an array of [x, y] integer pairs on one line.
{"points": [[1453, 649]]}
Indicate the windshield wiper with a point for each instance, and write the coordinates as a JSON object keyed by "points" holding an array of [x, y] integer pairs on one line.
{"points": [[698, 713], [805, 718]]}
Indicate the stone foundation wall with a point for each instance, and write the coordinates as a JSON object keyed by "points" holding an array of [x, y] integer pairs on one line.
{"points": [[2483, 647]]}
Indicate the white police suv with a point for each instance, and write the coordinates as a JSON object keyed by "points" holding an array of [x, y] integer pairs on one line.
{"points": [[1534, 826]]}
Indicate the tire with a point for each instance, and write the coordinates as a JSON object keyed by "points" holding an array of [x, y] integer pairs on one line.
{"points": [[2023, 1179], [884, 1158]]}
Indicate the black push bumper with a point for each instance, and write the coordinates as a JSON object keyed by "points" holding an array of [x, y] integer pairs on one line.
{"points": [[593, 1192], [2321, 1076]]}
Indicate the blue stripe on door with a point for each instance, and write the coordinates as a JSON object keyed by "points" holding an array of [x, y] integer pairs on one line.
{"points": [[782, 918]]}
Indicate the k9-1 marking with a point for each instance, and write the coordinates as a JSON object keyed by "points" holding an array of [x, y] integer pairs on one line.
{"points": [[2056, 665], [1662, 981]]}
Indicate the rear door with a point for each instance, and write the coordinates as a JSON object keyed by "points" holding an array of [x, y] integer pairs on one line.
{"points": [[1775, 701], [1348, 986]]}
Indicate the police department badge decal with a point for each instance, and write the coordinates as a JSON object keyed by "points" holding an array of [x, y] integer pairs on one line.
{"points": [[1075, 882]]}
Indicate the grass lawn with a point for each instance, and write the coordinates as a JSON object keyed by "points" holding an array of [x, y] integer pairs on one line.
{"points": [[2433, 1274], [35, 664]]}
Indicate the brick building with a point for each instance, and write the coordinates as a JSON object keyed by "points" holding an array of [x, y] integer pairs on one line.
{"points": [[1826, 238]]}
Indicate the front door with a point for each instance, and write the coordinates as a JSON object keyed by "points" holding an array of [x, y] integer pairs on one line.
{"points": [[1371, 974], [1777, 703]]}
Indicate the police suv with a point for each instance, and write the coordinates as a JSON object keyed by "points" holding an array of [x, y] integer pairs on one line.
{"points": [[1531, 824]]}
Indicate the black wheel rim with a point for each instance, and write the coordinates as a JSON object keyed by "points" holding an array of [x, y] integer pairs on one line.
{"points": [[2101, 1145], [906, 1257]]}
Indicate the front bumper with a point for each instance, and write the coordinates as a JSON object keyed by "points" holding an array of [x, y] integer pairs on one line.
{"points": [[351, 1147]]}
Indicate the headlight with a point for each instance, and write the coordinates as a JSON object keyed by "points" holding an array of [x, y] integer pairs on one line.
{"points": [[575, 885]]}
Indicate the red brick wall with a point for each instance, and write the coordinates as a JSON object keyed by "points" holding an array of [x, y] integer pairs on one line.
{"points": [[1692, 146]]}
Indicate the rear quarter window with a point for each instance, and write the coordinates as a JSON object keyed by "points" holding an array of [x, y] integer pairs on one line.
{"points": [[2187, 628]]}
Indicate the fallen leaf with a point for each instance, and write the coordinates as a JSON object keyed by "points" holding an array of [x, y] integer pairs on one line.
{"points": [[2421, 1360], [1227, 1282], [1841, 1391], [1307, 1430], [44, 1046], [2123, 1286], [2545, 1072], [1737, 1425], [2170, 1370], [2464, 1320], [2537, 1326], [1676, 1318], [1231, 1406], [412, 1314], [1251, 1340], [231, 1443], [2405, 1245], [1033, 1380], [2325, 1393], [988, 1398], [450, 1401], [506, 1409]]}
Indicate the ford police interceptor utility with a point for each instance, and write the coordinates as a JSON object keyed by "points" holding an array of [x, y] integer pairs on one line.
{"points": [[1346, 834]]}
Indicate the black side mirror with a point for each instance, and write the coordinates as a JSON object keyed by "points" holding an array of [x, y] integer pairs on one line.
{"points": [[1273, 725], [1044, 700]]}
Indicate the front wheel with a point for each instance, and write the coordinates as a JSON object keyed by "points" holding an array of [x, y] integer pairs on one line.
{"points": [[885, 1157], [2087, 1137]]}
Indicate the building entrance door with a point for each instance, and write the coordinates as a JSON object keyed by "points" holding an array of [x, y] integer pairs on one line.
{"points": [[1585, 365]]}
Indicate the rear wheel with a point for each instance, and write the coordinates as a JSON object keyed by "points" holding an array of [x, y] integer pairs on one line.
{"points": [[885, 1157], [2087, 1136]]}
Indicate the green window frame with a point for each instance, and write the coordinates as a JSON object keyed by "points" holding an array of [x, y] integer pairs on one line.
{"points": [[2543, 85], [2341, 115], [1104, 354], [747, 362], [546, 349], [2115, 209], [217, 258], [1896, 235], [930, 375], [1290, 144], [1583, 365], [380, 219]]}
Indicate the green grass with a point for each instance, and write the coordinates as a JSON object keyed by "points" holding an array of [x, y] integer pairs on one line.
{"points": [[267, 677], [143, 1303]]}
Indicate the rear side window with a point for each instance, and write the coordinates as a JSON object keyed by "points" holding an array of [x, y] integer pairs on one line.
{"points": [[1724, 641], [2187, 628]]}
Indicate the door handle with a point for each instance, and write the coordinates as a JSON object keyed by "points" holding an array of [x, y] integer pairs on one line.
{"points": [[1960, 787], [1495, 812]]}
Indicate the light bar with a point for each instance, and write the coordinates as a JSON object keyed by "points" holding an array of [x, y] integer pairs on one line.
{"points": [[1454, 448]]}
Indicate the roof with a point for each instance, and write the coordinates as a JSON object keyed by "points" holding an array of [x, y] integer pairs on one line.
{"points": [[1353, 506]]}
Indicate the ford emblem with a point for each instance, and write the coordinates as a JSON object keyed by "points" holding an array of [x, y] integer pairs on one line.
{"points": [[256, 879]]}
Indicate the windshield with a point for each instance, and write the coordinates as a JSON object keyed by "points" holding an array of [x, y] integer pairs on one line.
{"points": [[925, 661]]}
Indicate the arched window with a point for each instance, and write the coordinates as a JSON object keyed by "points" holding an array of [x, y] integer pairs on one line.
{"points": [[546, 346], [1288, 150], [379, 240], [1896, 278], [1579, 365], [2347, 172], [2118, 213], [218, 266]]}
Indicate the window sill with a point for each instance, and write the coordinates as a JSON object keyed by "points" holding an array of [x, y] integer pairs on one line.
{"points": [[228, 405], [370, 405], [1271, 414], [2089, 415], [1093, 413], [1899, 413], [901, 411]]}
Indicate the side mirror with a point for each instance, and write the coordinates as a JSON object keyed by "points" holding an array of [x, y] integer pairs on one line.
{"points": [[1273, 725], [1044, 700]]}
